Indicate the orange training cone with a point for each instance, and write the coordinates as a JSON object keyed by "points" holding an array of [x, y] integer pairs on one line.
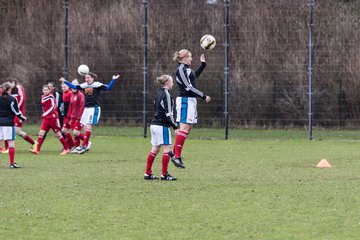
{"points": [[323, 164]]}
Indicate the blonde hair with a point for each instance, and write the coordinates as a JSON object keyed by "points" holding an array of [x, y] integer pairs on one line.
{"points": [[179, 55], [163, 79], [6, 86]]}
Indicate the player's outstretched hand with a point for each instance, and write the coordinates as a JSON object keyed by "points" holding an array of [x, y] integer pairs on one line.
{"points": [[115, 76], [62, 79], [207, 99], [202, 58]]}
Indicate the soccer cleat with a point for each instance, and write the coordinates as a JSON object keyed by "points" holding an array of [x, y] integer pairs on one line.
{"points": [[177, 162], [150, 177], [34, 151], [34, 146], [4, 150], [88, 146], [64, 152], [81, 149], [168, 177], [74, 150], [12, 166]]}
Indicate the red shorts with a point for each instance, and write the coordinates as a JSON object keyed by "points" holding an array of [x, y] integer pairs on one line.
{"points": [[76, 125], [66, 123], [18, 122], [53, 123]]}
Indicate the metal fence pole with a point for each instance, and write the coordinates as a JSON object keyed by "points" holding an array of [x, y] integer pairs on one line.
{"points": [[66, 40], [145, 70], [310, 69], [226, 67]]}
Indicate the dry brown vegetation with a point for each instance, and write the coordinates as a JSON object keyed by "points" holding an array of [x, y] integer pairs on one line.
{"points": [[268, 54]]}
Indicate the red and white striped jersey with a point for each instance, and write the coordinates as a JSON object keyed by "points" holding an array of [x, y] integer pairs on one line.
{"points": [[49, 106]]}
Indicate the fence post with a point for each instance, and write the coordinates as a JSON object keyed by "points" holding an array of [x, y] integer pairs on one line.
{"points": [[145, 70], [273, 105], [66, 40], [310, 69], [341, 105], [226, 67]]}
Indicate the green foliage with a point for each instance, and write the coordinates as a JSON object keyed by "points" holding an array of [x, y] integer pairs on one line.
{"points": [[262, 185]]}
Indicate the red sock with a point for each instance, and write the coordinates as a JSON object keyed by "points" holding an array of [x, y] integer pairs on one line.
{"points": [[69, 140], [40, 142], [86, 138], [149, 162], [165, 163], [12, 155], [76, 141], [29, 139], [6, 144], [81, 136], [63, 142], [179, 143]]}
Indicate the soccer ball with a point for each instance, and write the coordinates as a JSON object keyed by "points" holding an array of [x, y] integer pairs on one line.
{"points": [[83, 70], [207, 42]]}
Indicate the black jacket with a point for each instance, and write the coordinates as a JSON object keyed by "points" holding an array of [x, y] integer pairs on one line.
{"points": [[186, 81], [8, 110], [163, 110]]}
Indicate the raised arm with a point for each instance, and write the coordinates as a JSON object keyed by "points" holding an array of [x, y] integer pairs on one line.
{"points": [[108, 87], [70, 84], [202, 66]]}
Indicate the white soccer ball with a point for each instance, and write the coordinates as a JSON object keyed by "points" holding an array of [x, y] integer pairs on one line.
{"points": [[83, 70], [207, 42]]}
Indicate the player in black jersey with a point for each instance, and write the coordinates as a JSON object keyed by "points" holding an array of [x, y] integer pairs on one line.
{"points": [[186, 103], [8, 110], [92, 111], [162, 120]]}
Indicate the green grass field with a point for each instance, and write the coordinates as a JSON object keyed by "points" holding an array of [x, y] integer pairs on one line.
{"points": [[257, 185]]}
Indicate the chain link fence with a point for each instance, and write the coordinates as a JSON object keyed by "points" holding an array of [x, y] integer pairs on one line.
{"points": [[268, 56]]}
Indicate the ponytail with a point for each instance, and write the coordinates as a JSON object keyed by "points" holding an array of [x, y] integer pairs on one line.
{"points": [[6, 86], [179, 55], [163, 79]]}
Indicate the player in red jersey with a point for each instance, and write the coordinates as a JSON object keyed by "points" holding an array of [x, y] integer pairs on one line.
{"points": [[58, 99], [66, 95], [18, 92], [50, 120], [76, 108]]}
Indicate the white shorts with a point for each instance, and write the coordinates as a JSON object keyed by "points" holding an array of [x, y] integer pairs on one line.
{"points": [[160, 135], [186, 110], [7, 133], [90, 116]]}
